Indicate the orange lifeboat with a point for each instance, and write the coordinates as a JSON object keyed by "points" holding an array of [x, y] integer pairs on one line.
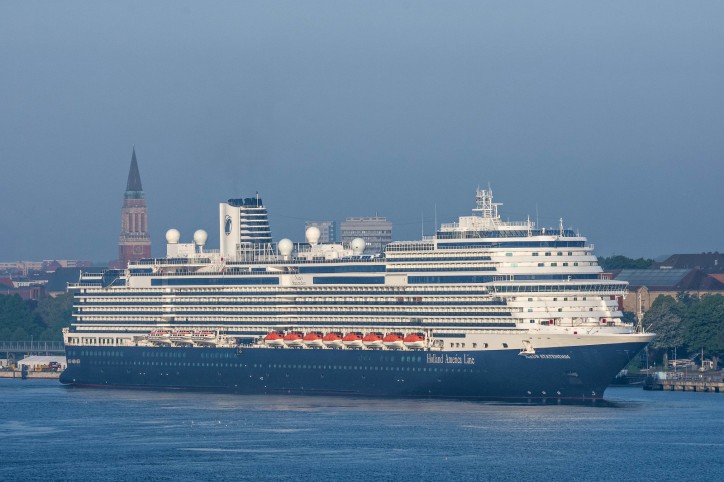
{"points": [[274, 339], [313, 339], [160, 336], [372, 340], [293, 339], [352, 340], [204, 337], [332, 340], [414, 341], [181, 336], [393, 341]]}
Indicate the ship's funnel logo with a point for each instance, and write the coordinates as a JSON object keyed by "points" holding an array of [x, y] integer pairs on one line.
{"points": [[227, 225]]}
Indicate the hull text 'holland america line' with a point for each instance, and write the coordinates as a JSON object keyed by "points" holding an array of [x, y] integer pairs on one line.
{"points": [[484, 309]]}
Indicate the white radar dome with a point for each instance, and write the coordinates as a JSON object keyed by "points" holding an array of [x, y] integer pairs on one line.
{"points": [[358, 246], [200, 237], [172, 236], [285, 247], [312, 234]]}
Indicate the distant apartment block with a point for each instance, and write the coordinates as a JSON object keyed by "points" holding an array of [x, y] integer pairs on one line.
{"points": [[24, 268], [375, 230], [327, 229]]}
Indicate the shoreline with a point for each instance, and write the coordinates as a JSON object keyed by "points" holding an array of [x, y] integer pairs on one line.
{"points": [[30, 375]]}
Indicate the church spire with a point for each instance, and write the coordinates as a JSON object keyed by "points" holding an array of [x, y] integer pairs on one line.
{"points": [[134, 243], [134, 177]]}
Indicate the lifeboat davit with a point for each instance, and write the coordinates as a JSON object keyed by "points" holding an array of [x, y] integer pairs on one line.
{"points": [[333, 340], [293, 339], [414, 341], [352, 340], [313, 339], [393, 341], [274, 339], [372, 340]]}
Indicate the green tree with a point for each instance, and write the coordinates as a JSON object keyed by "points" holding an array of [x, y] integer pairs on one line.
{"points": [[703, 326], [622, 262], [55, 314], [664, 319], [17, 313]]}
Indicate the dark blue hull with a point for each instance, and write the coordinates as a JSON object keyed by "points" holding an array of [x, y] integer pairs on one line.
{"points": [[578, 373]]}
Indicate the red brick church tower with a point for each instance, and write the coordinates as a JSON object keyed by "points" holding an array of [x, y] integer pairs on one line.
{"points": [[134, 242]]}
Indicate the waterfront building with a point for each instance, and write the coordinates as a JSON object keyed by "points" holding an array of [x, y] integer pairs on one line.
{"points": [[645, 285], [134, 242], [375, 230], [327, 230]]}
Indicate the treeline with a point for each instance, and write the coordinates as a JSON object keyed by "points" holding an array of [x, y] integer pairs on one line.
{"points": [[622, 262], [687, 323], [41, 320]]}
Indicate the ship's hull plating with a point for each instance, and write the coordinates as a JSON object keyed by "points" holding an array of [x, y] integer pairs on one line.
{"points": [[574, 373]]}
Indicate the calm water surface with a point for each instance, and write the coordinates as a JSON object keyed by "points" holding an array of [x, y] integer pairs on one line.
{"points": [[50, 432]]}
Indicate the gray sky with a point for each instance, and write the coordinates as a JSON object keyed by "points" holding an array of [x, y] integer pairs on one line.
{"points": [[608, 114]]}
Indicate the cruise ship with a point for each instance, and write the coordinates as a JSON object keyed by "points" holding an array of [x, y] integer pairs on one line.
{"points": [[483, 309]]}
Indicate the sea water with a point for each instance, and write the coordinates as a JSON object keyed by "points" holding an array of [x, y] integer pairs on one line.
{"points": [[51, 432]]}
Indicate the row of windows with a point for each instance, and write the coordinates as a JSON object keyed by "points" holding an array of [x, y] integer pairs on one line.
{"points": [[435, 259], [443, 310], [273, 366], [512, 244], [554, 288], [448, 279], [345, 268], [285, 302], [540, 265], [472, 268], [271, 280], [367, 280]]}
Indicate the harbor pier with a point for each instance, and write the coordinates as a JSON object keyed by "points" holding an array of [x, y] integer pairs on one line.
{"points": [[684, 385]]}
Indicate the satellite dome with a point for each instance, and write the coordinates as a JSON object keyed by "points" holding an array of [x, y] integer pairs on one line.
{"points": [[200, 237], [285, 247], [358, 246], [312, 234], [172, 236]]}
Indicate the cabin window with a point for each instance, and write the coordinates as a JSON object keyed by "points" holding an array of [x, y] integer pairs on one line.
{"points": [[505, 345], [536, 254], [548, 254]]}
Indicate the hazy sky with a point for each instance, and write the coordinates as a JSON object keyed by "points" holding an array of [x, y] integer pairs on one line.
{"points": [[608, 114]]}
